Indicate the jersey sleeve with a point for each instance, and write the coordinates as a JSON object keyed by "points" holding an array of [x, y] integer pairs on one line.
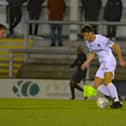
{"points": [[107, 42]]}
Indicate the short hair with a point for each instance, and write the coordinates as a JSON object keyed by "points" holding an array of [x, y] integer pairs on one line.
{"points": [[3, 27], [87, 28]]}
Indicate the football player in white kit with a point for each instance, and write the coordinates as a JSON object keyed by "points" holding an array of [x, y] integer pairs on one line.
{"points": [[102, 47]]}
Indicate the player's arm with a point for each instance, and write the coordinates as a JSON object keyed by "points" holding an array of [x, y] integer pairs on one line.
{"points": [[90, 57], [119, 54]]}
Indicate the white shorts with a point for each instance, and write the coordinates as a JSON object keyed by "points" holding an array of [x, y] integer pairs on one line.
{"points": [[109, 65]]}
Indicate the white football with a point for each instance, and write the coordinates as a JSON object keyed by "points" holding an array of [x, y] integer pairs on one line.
{"points": [[102, 102]]}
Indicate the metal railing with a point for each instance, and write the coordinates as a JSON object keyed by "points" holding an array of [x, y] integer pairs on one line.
{"points": [[101, 24]]}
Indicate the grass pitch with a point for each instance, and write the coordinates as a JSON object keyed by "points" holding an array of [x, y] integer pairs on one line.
{"points": [[37, 112]]}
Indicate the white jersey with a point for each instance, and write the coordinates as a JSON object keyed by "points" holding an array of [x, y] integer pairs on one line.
{"points": [[101, 46]]}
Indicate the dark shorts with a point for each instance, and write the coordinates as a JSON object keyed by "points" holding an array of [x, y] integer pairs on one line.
{"points": [[79, 75]]}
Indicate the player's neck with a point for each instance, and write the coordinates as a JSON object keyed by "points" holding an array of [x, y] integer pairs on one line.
{"points": [[93, 37]]}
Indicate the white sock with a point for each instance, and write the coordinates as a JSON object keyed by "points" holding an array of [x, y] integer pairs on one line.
{"points": [[104, 90], [113, 91]]}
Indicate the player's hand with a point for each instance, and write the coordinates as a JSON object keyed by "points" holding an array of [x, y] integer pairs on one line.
{"points": [[123, 63], [84, 66]]}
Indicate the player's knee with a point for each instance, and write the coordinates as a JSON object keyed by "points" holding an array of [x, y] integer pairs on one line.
{"points": [[95, 85], [72, 83]]}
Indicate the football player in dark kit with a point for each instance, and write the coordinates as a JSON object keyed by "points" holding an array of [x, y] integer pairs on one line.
{"points": [[79, 74]]}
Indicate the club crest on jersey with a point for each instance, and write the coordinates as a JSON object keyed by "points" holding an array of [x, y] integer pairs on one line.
{"points": [[98, 45]]}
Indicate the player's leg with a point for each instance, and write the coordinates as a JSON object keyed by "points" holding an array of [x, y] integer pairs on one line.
{"points": [[79, 88], [110, 86], [73, 85], [98, 82], [72, 90], [110, 66], [77, 77], [112, 89]]}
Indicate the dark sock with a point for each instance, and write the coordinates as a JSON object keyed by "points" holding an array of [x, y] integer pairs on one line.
{"points": [[72, 92]]}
